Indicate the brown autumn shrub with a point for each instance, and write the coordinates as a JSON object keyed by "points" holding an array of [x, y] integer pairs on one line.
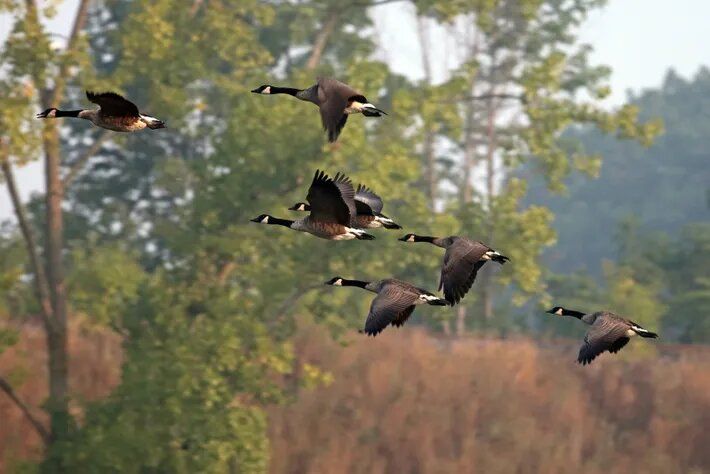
{"points": [[406, 402], [95, 361]]}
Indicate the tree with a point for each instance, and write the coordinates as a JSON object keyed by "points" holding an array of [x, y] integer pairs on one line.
{"points": [[519, 86]]}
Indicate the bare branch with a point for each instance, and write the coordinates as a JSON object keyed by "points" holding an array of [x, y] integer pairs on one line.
{"points": [[290, 301], [374, 3], [322, 39], [39, 427], [79, 22], [196, 4], [81, 161], [485, 97], [41, 286]]}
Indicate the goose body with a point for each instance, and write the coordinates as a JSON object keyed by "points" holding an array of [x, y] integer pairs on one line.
{"points": [[394, 303], [336, 100], [608, 332], [368, 208], [332, 207], [114, 113], [462, 260]]}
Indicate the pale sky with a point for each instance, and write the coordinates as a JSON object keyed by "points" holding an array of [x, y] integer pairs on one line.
{"points": [[638, 39]]}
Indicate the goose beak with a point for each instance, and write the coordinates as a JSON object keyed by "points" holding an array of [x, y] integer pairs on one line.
{"points": [[255, 91]]}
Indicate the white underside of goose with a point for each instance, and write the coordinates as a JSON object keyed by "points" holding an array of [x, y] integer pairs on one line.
{"points": [[350, 234]]}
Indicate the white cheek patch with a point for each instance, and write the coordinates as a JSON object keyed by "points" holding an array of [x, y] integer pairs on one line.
{"points": [[428, 298], [338, 282], [559, 312], [265, 220], [410, 239], [267, 90]]}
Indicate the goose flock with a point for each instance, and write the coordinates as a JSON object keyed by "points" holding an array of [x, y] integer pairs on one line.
{"points": [[339, 211]]}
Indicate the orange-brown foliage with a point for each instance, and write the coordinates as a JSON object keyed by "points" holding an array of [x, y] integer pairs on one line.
{"points": [[95, 360], [407, 402]]}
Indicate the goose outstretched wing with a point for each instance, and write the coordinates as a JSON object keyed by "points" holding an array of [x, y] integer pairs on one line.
{"points": [[331, 199], [113, 105]]}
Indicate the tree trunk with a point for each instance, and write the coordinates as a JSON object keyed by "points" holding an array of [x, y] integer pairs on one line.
{"points": [[461, 321], [428, 143], [487, 283], [57, 334]]}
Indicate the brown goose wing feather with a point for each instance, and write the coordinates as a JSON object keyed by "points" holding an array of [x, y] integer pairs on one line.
{"points": [[392, 305], [462, 261], [113, 105], [366, 198], [331, 199], [608, 333], [333, 96]]}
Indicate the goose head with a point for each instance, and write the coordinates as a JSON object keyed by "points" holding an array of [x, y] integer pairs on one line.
{"points": [[49, 113], [262, 219], [408, 238], [335, 281], [557, 310], [265, 89], [300, 206]]}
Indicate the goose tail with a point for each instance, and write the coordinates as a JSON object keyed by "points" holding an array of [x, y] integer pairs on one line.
{"points": [[497, 257], [644, 332], [386, 222]]}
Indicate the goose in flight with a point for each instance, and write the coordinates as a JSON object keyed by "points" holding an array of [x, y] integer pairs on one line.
{"points": [[335, 100], [462, 260], [114, 113], [608, 332], [394, 303], [332, 207], [368, 206]]}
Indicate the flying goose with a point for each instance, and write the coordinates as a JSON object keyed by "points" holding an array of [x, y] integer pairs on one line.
{"points": [[394, 303], [114, 113], [332, 209], [334, 99], [462, 260], [369, 210], [609, 332]]}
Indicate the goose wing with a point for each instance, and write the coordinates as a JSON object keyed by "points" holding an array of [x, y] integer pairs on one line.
{"points": [[608, 333], [367, 201], [333, 97], [331, 199], [113, 105], [462, 261], [392, 305]]}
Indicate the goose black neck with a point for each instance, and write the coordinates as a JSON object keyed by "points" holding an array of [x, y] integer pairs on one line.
{"points": [[284, 90], [424, 238], [67, 113], [574, 314], [277, 221], [358, 283]]}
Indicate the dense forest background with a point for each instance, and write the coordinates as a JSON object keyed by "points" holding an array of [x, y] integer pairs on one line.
{"points": [[147, 326]]}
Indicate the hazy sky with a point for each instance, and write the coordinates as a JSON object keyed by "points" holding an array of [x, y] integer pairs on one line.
{"points": [[639, 39]]}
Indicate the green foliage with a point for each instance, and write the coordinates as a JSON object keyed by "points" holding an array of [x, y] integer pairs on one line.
{"points": [[176, 409], [102, 282]]}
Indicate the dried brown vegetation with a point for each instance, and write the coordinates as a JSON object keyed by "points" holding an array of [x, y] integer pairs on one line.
{"points": [[407, 402], [95, 360]]}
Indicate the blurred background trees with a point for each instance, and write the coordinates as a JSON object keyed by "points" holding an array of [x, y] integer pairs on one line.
{"points": [[155, 238]]}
